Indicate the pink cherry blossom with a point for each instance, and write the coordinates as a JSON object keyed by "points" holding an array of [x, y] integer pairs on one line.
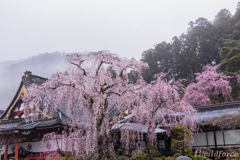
{"points": [[93, 88], [209, 83], [93, 95], [162, 107]]}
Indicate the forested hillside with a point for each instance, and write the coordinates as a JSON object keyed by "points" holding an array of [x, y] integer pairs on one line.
{"points": [[204, 42], [12, 71]]}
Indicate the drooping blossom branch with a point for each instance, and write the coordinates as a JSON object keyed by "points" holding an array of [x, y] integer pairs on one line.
{"points": [[163, 107], [87, 93], [209, 83]]}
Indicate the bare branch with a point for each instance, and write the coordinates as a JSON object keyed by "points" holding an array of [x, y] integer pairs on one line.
{"points": [[79, 66], [99, 67]]}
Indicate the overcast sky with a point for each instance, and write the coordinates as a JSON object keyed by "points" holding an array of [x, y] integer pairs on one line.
{"points": [[124, 27]]}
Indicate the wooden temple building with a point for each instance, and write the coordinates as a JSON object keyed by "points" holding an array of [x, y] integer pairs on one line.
{"points": [[210, 136], [218, 137], [21, 140]]}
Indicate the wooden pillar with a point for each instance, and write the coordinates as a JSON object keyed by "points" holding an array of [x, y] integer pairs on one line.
{"points": [[16, 151], [6, 151]]}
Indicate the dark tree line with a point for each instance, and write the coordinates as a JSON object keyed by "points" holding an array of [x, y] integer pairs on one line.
{"points": [[213, 42]]}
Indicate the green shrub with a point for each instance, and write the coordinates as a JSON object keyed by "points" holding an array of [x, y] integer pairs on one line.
{"points": [[182, 142], [141, 154]]}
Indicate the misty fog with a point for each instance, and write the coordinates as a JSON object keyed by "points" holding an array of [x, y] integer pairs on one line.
{"points": [[11, 72]]}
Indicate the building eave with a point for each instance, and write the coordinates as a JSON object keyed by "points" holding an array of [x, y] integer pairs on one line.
{"points": [[218, 106], [13, 102]]}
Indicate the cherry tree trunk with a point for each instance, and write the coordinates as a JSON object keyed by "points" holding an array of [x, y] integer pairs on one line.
{"points": [[104, 150], [103, 136], [149, 139]]}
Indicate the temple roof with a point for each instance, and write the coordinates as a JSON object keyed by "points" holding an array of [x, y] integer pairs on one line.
{"points": [[136, 127], [22, 125], [207, 115], [27, 79], [218, 106], [1, 112], [18, 123], [208, 112]]}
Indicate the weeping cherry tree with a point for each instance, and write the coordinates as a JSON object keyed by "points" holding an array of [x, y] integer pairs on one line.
{"points": [[90, 90], [209, 84], [163, 107]]}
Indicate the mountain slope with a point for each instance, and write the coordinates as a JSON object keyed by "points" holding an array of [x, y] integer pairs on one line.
{"points": [[11, 72]]}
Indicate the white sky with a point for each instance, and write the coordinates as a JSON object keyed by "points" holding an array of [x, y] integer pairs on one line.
{"points": [[124, 27]]}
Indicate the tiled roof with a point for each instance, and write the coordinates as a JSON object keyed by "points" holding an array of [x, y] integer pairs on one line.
{"points": [[49, 122], [208, 112], [207, 115], [136, 127], [225, 105], [9, 126], [56, 114], [27, 126], [29, 78]]}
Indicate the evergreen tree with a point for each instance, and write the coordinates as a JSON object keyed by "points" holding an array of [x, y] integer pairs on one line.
{"points": [[231, 64], [205, 42]]}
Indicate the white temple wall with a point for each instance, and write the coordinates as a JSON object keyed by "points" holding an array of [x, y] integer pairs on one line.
{"points": [[41, 146], [223, 138]]}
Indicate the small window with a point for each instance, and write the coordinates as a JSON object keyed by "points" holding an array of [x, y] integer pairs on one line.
{"points": [[162, 144], [232, 137], [219, 139], [200, 139], [210, 136]]}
